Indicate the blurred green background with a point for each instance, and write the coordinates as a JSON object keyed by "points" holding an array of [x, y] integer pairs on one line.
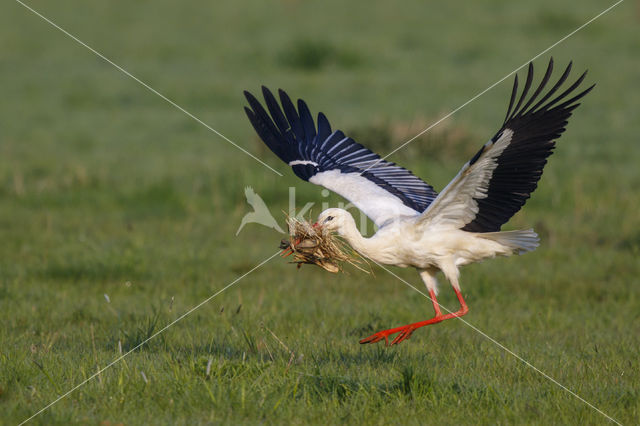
{"points": [[118, 213]]}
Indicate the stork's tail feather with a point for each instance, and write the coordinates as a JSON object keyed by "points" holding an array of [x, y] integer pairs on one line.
{"points": [[519, 241]]}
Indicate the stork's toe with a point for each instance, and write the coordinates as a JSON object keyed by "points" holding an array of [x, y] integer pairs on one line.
{"points": [[374, 338]]}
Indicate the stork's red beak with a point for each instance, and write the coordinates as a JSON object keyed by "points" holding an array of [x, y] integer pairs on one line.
{"points": [[315, 225], [289, 250], [286, 252]]}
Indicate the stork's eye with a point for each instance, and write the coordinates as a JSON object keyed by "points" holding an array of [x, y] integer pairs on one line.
{"points": [[328, 218]]}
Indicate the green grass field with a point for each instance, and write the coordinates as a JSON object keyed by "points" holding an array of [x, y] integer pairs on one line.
{"points": [[118, 214]]}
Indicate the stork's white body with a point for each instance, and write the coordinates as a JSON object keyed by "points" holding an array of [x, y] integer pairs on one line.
{"points": [[406, 242], [400, 244]]}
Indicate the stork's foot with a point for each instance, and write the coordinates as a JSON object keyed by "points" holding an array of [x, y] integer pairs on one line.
{"points": [[403, 334], [406, 331]]}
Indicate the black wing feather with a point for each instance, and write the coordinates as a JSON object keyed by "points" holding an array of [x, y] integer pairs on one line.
{"points": [[521, 163], [527, 86], [514, 93], [292, 115], [278, 116], [545, 80], [307, 121], [556, 86], [324, 128], [266, 135]]}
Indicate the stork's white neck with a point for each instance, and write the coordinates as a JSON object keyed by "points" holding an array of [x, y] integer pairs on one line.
{"points": [[350, 233]]}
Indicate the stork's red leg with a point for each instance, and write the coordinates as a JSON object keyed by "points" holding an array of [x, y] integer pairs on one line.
{"points": [[406, 330]]}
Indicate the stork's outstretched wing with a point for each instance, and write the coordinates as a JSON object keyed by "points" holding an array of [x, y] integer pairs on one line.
{"points": [[382, 190], [499, 179]]}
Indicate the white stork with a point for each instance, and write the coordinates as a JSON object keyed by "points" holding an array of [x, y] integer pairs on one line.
{"points": [[417, 226]]}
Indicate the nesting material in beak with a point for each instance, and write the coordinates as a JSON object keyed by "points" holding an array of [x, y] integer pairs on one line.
{"points": [[316, 245]]}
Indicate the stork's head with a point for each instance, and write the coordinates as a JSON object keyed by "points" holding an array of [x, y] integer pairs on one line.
{"points": [[335, 220]]}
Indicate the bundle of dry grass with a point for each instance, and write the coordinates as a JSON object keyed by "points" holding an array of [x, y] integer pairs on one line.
{"points": [[317, 245]]}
